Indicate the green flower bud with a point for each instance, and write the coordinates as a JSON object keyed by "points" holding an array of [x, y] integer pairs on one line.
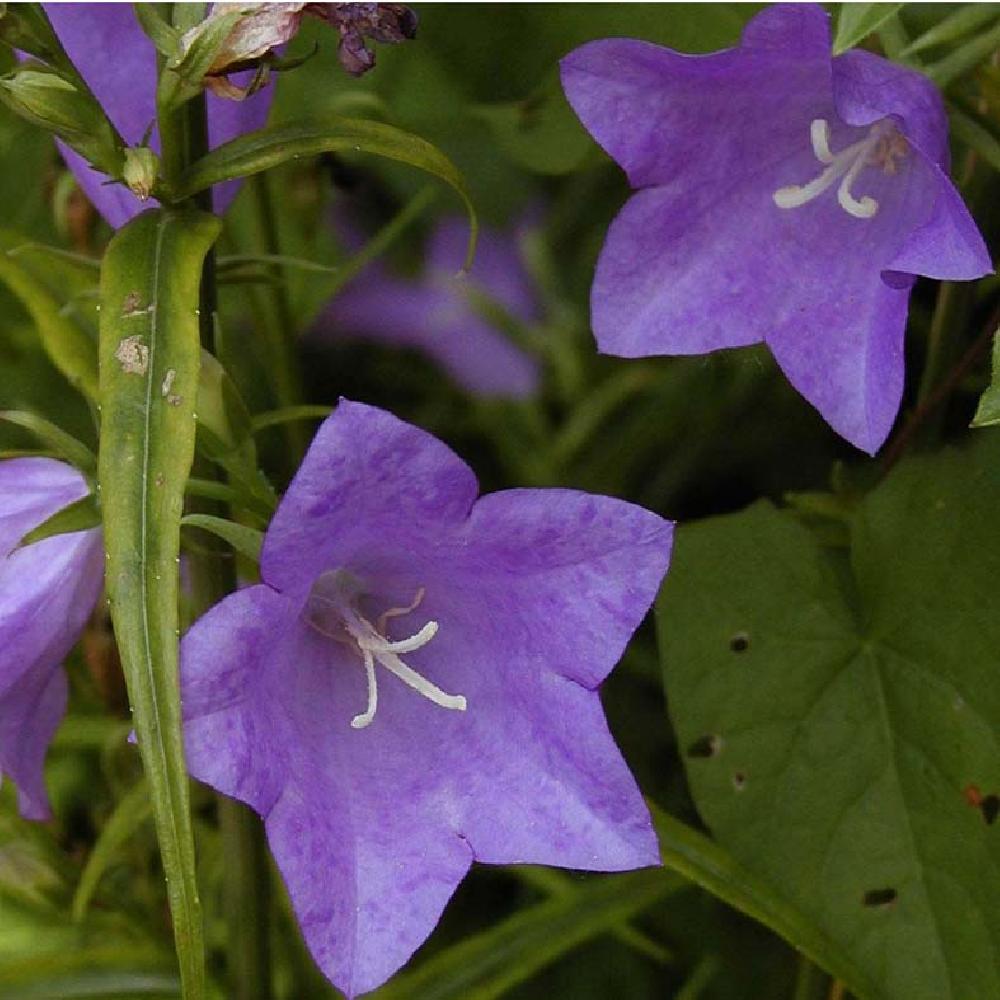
{"points": [[142, 168]]}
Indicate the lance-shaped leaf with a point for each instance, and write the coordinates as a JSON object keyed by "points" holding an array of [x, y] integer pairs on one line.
{"points": [[81, 515], [858, 20], [839, 714], [268, 147], [150, 355]]}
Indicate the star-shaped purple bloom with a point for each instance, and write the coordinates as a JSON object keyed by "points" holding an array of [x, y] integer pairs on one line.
{"points": [[414, 686], [118, 61], [47, 592], [435, 314], [785, 197]]}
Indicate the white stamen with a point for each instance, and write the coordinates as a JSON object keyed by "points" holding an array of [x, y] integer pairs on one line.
{"points": [[867, 206], [420, 683], [374, 646], [415, 641], [844, 166], [366, 717], [819, 132]]}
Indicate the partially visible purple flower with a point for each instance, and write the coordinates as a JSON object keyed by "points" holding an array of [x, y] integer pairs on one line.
{"points": [[785, 197], [436, 314], [414, 686], [118, 62], [47, 592]]}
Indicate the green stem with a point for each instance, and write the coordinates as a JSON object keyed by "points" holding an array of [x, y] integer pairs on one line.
{"points": [[950, 311], [278, 322], [247, 901], [184, 135]]}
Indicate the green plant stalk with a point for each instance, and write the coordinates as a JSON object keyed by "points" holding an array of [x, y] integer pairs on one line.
{"points": [[278, 324], [246, 877]]}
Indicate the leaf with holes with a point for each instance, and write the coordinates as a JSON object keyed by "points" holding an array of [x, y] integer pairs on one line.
{"points": [[839, 712], [150, 357]]}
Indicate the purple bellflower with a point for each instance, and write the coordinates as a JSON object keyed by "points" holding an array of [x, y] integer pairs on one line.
{"points": [[435, 314], [47, 592], [785, 197], [414, 686], [118, 62]]}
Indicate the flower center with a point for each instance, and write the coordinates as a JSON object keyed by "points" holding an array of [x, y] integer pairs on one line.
{"points": [[882, 147], [333, 612]]}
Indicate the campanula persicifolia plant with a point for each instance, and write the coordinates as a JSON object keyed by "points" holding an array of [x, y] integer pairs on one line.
{"points": [[499, 502]]}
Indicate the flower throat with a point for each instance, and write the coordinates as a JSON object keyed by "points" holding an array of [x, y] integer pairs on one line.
{"points": [[882, 147], [332, 611]]}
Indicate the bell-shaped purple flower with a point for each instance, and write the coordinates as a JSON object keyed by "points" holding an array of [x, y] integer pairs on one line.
{"points": [[785, 197], [47, 592], [414, 686], [435, 313], [118, 61]]}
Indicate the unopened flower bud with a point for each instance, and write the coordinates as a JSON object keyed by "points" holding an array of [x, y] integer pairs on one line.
{"points": [[46, 98], [142, 168]]}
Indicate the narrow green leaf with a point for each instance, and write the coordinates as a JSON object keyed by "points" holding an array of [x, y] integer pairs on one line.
{"points": [[693, 855], [964, 58], [225, 433], [90, 266], [962, 21], [289, 413], [839, 711], [70, 347], [488, 964], [131, 812], [212, 489], [382, 240], [150, 358], [55, 438], [164, 36], [856, 21], [246, 541], [269, 147], [554, 882], [988, 411], [227, 264], [81, 515]]}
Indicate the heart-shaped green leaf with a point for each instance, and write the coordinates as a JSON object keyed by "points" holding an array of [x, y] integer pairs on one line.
{"points": [[839, 711]]}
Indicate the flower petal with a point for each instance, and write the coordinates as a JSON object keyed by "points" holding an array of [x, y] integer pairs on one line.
{"points": [[948, 246], [32, 490], [352, 816], [118, 61], [367, 886], [867, 88], [368, 483], [717, 110], [576, 573], [435, 319], [47, 591], [498, 269], [30, 712], [853, 373], [233, 741]]}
